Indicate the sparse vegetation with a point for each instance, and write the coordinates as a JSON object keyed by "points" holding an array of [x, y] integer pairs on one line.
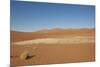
{"points": [[24, 55]]}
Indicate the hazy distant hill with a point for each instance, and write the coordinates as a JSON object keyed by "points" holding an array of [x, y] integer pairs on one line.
{"points": [[45, 33]]}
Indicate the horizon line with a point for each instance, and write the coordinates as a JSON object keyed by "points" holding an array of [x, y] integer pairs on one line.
{"points": [[51, 29]]}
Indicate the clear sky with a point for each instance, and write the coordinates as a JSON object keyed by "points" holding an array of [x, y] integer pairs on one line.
{"points": [[32, 16]]}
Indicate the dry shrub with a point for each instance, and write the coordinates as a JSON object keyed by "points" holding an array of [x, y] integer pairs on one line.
{"points": [[24, 55]]}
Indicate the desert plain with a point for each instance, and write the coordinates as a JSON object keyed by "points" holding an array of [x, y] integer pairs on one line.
{"points": [[53, 46]]}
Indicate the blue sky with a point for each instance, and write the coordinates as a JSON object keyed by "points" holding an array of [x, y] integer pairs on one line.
{"points": [[33, 16]]}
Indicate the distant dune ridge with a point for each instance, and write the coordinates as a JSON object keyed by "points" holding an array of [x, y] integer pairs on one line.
{"points": [[51, 33]]}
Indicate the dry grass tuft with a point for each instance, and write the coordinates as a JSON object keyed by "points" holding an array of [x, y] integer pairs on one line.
{"points": [[24, 55]]}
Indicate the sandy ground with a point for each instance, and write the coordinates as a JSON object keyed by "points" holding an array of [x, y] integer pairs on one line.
{"points": [[51, 48], [50, 54], [64, 40]]}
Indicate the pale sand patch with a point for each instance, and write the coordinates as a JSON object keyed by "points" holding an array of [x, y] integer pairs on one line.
{"points": [[65, 40]]}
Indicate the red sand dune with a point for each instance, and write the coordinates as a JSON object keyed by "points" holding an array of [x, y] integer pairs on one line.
{"points": [[20, 36]]}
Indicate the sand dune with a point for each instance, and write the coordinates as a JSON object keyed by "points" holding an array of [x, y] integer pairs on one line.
{"points": [[53, 33]]}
